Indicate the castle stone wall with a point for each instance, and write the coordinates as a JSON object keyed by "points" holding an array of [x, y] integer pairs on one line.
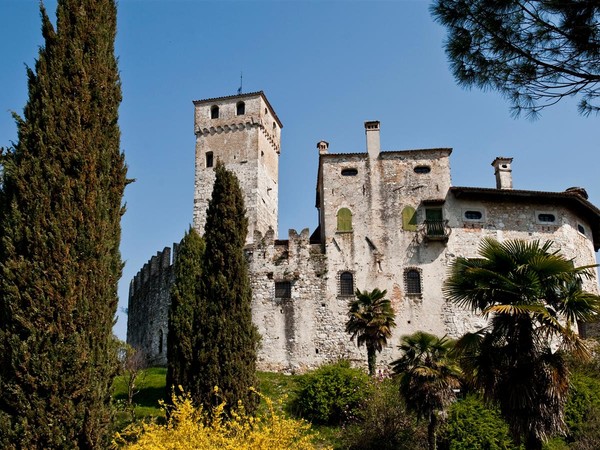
{"points": [[383, 216], [149, 300]]}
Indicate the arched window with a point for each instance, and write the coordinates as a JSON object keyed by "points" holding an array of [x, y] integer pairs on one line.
{"points": [[344, 220], [346, 284], [412, 281], [240, 108], [214, 112], [409, 219], [160, 341]]}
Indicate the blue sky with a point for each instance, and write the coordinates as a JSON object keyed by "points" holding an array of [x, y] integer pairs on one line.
{"points": [[326, 67]]}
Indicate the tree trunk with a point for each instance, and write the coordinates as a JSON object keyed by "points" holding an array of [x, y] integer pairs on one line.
{"points": [[431, 428], [371, 359], [533, 442]]}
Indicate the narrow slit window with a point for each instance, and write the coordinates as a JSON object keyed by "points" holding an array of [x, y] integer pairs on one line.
{"points": [[160, 341], [214, 112], [209, 159], [346, 284]]}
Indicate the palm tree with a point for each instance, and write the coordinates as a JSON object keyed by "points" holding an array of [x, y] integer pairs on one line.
{"points": [[428, 377], [371, 319], [533, 299]]}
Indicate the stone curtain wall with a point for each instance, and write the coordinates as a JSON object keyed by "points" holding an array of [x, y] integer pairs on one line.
{"points": [[149, 300]]}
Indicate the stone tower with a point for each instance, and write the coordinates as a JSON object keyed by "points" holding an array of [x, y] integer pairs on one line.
{"points": [[244, 133]]}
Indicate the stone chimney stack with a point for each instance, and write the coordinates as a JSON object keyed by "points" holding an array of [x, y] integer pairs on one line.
{"points": [[372, 132], [503, 172], [323, 147]]}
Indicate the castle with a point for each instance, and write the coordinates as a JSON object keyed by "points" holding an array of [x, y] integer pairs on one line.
{"points": [[387, 219]]}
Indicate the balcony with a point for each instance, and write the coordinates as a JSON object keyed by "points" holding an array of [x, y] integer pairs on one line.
{"points": [[435, 230]]}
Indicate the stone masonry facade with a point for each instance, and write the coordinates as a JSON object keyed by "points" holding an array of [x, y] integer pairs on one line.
{"points": [[387, 219]]}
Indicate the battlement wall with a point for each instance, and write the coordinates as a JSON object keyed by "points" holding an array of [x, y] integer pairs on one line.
{"points": [[149, 300]]}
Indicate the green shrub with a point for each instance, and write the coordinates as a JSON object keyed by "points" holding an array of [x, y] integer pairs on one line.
{"points": [[588, 434], [471, 425], [384, 423], [584, 394], [331, 394]]}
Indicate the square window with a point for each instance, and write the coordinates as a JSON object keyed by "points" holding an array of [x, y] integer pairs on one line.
{"points": [[283, 289]]}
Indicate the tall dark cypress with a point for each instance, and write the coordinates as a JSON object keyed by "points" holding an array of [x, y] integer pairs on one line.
{"points": [[227, 338], [59, 238], [185, 303]]}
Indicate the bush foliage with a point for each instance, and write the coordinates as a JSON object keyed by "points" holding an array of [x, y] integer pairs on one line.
{"points": [[192, 428], [471, 425], [332, 394], [384, 423]]}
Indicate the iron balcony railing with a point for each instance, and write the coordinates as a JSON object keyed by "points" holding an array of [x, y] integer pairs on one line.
{"points": [[436, 230]]}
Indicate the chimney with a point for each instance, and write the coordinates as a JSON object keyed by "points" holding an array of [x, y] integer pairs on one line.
{"points": [[372, 132], [503, 172], [323, 147]]}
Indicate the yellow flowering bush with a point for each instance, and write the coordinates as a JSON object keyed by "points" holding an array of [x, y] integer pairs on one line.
{"points": [[190, 428]]}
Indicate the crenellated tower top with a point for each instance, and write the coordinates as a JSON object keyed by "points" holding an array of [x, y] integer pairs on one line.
{"points": [[244, 132]]}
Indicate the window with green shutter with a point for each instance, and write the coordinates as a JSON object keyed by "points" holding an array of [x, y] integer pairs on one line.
{"points": [[344, 220], [409, 219]]}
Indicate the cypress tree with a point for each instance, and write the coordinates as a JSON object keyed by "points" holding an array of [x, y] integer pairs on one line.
{"points": [[182, 312], [227, 338], [62, 189]]}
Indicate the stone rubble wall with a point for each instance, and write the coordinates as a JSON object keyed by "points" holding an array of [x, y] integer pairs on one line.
{"points": [[149, 300]]}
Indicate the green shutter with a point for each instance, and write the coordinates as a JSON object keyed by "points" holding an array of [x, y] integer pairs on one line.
{"points": [[409, 219], [344, 220]]}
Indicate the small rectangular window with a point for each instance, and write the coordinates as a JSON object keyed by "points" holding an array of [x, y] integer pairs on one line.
{"points": [[283, 289], [546, 217], [412, 280], [209, 159], [473, 214], [346, 284]]}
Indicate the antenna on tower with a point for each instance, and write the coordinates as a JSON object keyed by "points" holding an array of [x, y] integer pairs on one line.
{"points": [[240, 88]]}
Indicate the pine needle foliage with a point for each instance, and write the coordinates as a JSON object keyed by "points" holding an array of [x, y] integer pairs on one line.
{"points": [[534, 52], [183, 312], [226, 338], [62, 187]]}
